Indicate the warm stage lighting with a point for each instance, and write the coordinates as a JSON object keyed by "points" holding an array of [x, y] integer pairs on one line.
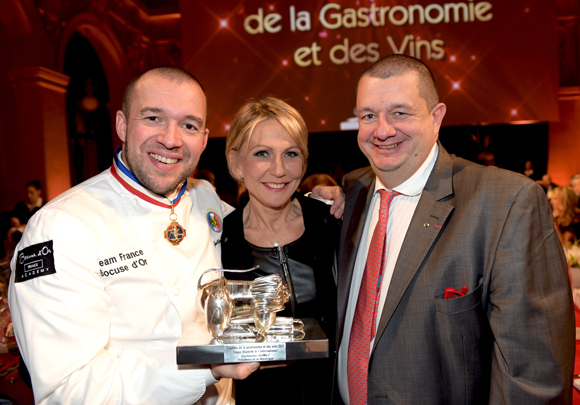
{"points": [[307, 98], [456, 86], [323, 34], [323, 122], [523, 122], [285, 62], [89, 102], [227, 127], [472, 57], [223, 23], [514, 112], [452, 58]]}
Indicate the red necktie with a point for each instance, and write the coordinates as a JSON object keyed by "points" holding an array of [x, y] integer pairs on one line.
{"points": [[364, 321]]}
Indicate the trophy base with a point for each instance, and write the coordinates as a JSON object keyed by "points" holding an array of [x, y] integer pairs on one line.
{"points": [[197, 346]]}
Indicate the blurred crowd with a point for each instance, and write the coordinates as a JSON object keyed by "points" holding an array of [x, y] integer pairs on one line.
{"points": [[13, 222]]}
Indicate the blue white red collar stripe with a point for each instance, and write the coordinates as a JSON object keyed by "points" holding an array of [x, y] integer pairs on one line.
{"points": [[131, 184]]}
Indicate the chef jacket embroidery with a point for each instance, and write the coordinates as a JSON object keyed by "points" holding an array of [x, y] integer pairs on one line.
{"points": [[122, 262]]}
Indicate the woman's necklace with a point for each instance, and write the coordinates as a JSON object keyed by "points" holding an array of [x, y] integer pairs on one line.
{"points": [[283, 233]]}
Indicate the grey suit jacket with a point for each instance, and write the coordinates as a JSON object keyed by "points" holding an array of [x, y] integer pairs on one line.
{"points": [[510, 339]]}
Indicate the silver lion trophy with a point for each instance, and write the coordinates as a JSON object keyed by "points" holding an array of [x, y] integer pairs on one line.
{"points": [[241, 324], [245, 311]]}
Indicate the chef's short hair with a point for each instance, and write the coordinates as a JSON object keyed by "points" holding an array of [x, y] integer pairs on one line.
{"points": [[170, 73]]}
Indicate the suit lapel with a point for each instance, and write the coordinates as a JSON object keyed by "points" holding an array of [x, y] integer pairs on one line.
{"points": [[420, 238], [357, 205]]}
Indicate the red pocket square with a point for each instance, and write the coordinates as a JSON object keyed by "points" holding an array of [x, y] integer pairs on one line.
{"points": [[451, 292]]}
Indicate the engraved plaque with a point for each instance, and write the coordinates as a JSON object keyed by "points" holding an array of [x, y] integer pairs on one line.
{"points": [[197, 346], [266, 351]]}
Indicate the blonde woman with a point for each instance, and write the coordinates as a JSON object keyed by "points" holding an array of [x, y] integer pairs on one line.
{"points": [[566, 214], [284, 233]]}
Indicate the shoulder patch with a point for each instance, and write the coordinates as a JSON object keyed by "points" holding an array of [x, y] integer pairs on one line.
{"points": [[214, 220], [35, 261]]}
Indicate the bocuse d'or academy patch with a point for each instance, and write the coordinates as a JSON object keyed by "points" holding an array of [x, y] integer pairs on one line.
{"points": [[35, 261]]}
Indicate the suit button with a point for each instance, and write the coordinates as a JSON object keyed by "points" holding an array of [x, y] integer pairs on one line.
{"points": [[175, 291]]}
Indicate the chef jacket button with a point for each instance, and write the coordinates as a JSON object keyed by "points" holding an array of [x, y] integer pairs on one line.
{"points": [[175, 291]]}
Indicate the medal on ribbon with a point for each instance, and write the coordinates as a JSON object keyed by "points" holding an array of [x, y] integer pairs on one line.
{"points": [[174, 233]]}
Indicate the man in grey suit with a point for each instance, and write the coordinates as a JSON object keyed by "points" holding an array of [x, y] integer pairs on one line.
{"points": [[473, 301]]}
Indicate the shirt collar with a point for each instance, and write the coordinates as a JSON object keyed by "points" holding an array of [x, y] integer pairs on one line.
{"points": [[37, 204], [415, 184], [131, 184]]}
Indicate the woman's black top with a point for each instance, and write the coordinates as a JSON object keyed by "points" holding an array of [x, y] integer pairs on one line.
{"points": [[307, 267]]}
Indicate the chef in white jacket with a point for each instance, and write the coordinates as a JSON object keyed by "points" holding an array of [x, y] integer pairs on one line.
{"points": [[104, 279]]}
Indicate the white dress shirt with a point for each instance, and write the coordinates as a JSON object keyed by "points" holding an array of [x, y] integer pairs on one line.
{"points": [[400, 214]]}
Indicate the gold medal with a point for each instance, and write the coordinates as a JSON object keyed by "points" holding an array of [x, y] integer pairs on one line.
{"points": [[174, 232]]}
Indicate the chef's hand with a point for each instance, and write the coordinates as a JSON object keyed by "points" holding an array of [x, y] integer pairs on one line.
{"points": [[237, 371], [331, 193]]}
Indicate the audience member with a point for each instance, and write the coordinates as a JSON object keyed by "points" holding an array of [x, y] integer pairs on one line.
{"points": [[575, 184], [547, 184], [18, 218], [205, 174], [316, 179], [486, 158], [23, 210], [566, 214], [529, 171]]}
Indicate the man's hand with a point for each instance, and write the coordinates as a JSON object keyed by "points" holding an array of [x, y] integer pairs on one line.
{"points": [[576, 296], [237, 371], [331, 193]]}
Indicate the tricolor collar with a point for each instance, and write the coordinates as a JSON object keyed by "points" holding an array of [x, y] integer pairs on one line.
{"points": [[128, 180]]}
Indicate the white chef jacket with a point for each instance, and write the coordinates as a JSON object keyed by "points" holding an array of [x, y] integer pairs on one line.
{"points": [[105, 297]]}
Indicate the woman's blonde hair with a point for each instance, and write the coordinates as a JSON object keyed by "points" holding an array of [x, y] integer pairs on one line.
{"points": [[257, 111], [569, 203]]}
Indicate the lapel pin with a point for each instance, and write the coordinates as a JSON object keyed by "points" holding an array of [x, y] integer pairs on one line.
{"points": [[426, 225]]}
